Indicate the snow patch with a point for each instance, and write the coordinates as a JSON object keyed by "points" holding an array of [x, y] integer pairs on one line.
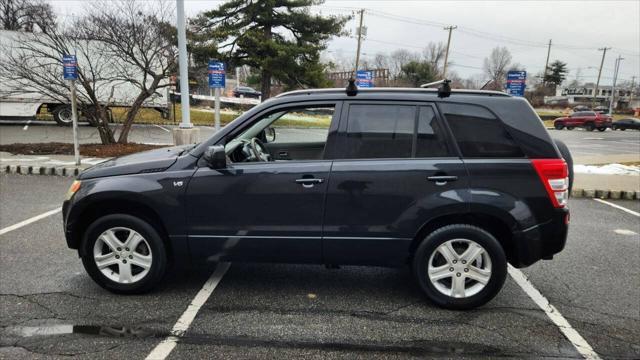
{"points": [[609, 169]]}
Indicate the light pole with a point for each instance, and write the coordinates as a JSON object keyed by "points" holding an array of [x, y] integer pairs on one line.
{"points": [[183, 62]]}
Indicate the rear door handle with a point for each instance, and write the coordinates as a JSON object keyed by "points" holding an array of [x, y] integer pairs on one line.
{"points": [[283, 154], [309, 182], [442, 179]]}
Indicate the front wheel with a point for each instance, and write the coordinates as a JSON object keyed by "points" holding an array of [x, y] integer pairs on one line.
{"points": [[602, 128], [590, 127], [124, 254], [570, 127], [460, 266], [559, 126]]}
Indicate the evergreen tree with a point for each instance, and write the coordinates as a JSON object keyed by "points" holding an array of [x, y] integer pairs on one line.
{"points": [[556, 73], [280, 38]]}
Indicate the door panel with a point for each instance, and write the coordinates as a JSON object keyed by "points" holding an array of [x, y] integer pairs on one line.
{"points": [[374, 208], [258, 211]]}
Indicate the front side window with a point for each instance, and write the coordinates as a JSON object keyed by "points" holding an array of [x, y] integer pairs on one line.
{"points": [[393, 131], [296, 133], [479, 133]]}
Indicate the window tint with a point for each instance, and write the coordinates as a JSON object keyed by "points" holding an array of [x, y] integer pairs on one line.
{"points": [[380, 131], [478, 133], [430, 141]]}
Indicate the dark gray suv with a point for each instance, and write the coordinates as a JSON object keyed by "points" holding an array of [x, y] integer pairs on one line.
{"points": [[454, 187]]}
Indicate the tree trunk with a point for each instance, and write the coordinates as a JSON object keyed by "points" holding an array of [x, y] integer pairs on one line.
{"points": [[265, 85], [131, 115]]}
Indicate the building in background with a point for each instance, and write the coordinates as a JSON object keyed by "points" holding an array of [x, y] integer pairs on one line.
{"points": [[625, 98]]}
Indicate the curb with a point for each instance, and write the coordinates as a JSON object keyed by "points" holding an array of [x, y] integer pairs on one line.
{"points": [[40, 170], [606, 194], [74, 171]]}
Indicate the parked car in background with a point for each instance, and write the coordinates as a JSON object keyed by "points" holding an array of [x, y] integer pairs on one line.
{"points": [[601, 109], [627, 123], [245, 91], [590, 120], [581, 108], [454, 187]]}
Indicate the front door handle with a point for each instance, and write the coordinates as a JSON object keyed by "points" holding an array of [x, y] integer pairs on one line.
{"points": [[309, 182], [442, 179]]}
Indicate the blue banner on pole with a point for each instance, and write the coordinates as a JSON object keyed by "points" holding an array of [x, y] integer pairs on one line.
{"points": [[70, 67], [516, 82], [364, 79], [216, 74]]}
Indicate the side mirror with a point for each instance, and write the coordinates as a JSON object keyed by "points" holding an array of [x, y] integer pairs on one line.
{"points": [[215, 157], [270, 134]]}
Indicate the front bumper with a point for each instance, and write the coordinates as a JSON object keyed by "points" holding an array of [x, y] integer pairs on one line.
{"points": [[541, 241]]}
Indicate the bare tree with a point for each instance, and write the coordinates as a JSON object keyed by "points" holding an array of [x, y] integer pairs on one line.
{"points": [[140, 40], [27, 15], [496, 65], [434, 54], [398, 59], [33, 65]]}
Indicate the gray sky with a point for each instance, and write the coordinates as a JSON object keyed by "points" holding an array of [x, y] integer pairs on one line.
{"points": [[578, 28]]}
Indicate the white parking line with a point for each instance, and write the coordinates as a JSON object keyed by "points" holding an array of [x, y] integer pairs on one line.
{"points": [[162, 127], [618, 207], [569, 332], [162, 350], [29, 221]]}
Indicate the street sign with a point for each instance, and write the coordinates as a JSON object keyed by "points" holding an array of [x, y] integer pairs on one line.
{"points": [[364, 79], [216, 74], [516, 82], [70, 67]]}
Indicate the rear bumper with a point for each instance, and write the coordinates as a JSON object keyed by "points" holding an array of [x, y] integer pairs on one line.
{"points": [[541, 241]]}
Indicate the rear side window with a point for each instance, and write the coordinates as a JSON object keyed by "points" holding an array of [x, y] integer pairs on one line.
{"points": [[380, 131], [479, 133], [393, 131]]}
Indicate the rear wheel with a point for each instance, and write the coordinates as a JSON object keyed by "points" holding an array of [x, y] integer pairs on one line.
{"points": [[63, 115], [590, 127], [602, 128], [570, 128], [124, 254], [460, 266]]}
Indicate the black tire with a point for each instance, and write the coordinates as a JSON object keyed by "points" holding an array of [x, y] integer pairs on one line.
{"points": [[566, 155], [570, 128], [148, 232], [62, 115], [623, 129], [601, 129], [558, 126], [460, 231], [590, 127]]}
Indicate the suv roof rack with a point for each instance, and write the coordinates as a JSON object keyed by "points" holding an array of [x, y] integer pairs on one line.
{"points": [[391, 90]]}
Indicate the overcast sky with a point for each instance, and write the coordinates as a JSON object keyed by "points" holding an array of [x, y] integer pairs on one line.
{"points": [[577, 30]]}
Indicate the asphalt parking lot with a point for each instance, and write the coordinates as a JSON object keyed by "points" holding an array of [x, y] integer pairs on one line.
{"points": [[581, 143], [49, 307]]}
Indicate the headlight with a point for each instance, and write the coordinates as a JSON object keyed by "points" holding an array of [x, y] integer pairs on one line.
{"points": [[75, 186]]}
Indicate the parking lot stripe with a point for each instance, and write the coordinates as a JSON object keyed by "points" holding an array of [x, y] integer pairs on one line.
{"points": [[29, 221], [618, 207], [162, 350], [162, 127], [569, 332]]}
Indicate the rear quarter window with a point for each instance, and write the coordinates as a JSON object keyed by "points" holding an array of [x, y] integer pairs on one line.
{"points": [[478, 133]]}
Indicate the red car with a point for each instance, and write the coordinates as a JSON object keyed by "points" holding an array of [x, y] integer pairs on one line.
{"points": [[590, 120]]}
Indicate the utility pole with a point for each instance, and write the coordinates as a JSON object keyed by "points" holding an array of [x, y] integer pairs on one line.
{"points": [[595, 93], [355, 71], [446, 54], [546, 65], [615, 78], [633, 89]]}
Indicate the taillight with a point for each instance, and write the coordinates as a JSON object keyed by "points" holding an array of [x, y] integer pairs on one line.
{"points": [[554, 175]]}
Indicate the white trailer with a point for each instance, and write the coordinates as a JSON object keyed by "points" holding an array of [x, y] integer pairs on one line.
{"points": [[19, 102]]}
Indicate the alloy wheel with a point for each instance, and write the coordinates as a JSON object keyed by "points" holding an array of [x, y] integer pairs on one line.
{"points": [[459, 268], [122, 255]]}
